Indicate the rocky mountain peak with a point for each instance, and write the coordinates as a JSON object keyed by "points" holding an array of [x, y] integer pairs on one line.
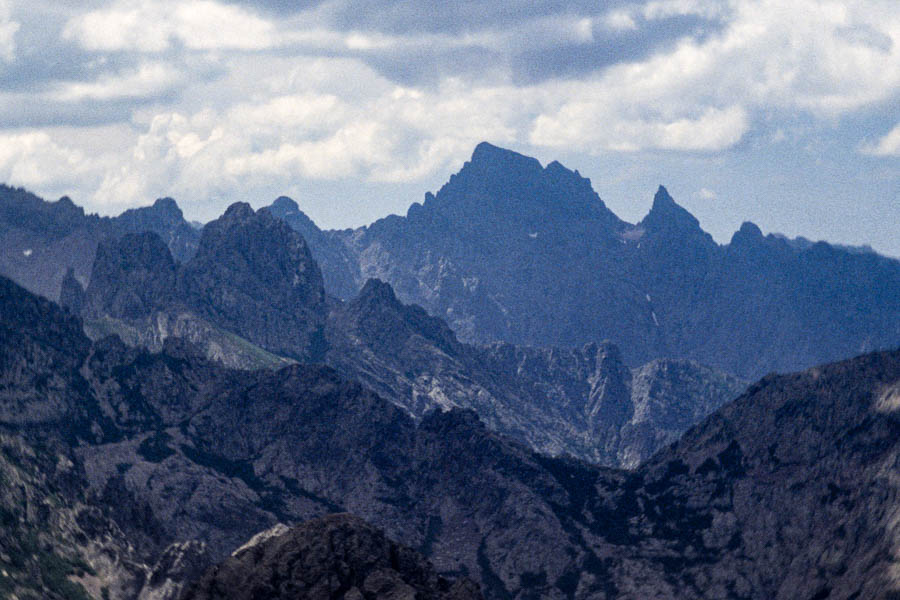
{"points": [[164, 211], [67, 206], [493, 158], [667, 216], [255, 239], [165, 218], [132, 276], [500, 190], [168, 207], [379, 319], [284, 206], [236, 212], [378, 291], [495, 177], [256, 276], [748, 231], [286, 209]]}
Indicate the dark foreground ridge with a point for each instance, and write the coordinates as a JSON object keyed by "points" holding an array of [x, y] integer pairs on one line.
{"points": [[338, 557], [153, 463]]}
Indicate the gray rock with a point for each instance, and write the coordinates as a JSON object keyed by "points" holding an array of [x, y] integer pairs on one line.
{"points": [[334, 557]]}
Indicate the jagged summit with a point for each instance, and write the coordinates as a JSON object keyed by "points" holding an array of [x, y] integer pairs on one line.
{"points": [[503, 188], [163, 210], [494, 157], [255, 275], [237, 211], [132, 276], [376, 289], [168, 206], [284, 206], [749, 229], [287, 209], [748, 236], [666, 214], [377, 316]]}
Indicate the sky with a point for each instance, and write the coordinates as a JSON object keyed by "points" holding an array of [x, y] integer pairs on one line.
{"points": [[786, 114]]}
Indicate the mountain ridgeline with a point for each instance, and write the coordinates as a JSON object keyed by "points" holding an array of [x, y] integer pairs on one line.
{"points": [[252, 279], [501, 395], [511, 251], [253, 296], [41, 241], [156, 466]]}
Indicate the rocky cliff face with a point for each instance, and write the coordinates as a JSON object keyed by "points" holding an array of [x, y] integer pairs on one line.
{"points": [[786, 492], [251, 296], [512, 251], [254, 276], [165, 219], [132, 277], [338, 556], [234, 300], [342, 276], [576, 401]]}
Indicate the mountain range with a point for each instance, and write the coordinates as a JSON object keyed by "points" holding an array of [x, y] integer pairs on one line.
{"points": [[262, 303], [509, 393], [40, 241], [509, 250], [134, 469]]}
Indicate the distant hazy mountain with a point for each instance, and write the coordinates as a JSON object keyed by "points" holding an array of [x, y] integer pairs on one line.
{"points": [[252, 291], [787, 492], [40, 241], [512, 251], [252, 296]]}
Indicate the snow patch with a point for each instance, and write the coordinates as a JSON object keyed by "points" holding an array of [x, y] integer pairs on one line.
{"points": [[633, 235], [648, 297], [655, 320], [27, 253], [532, 235]]}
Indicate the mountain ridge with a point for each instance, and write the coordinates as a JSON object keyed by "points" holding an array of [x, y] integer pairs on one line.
{"points": [[785, 492], [511, 251]]}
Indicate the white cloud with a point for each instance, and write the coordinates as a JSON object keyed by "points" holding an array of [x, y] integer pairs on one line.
{"points": [[889, 145], [8, 30], [602, 120], [153, 26], [147, 80], [706, 194], [703, 93], [391, 134], [34, 159], [620, 20], [662, 9], [317, 108]]}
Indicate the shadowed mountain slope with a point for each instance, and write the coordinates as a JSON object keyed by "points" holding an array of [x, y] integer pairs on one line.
{"points": [[577, 401], [40, 241], [787, 492], [251, 295], [557, 400], [508, 250], [334, 557]]}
